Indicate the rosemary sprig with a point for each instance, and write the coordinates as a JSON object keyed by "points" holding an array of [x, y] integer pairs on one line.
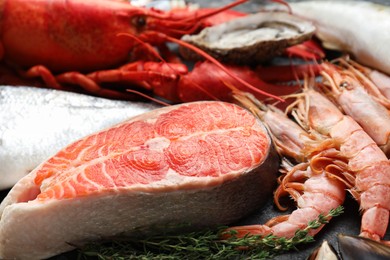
{"points": [[203, 245]]}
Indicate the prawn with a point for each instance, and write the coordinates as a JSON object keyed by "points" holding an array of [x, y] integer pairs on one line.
{"points": [[313, 189], [366, 172], [348, 158], [353, 93]]}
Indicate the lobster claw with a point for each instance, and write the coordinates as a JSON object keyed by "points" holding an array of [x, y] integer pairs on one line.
{"points": [[324, 252], [354, 247]]}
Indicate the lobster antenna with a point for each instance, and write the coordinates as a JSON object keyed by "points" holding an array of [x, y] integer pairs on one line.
{"points": [[158, 101], [219, 65], [218, 10], [148, 47], [192, 23], [234, 4], [203, 54], [205, 14], [158, 56], [196, 25]]}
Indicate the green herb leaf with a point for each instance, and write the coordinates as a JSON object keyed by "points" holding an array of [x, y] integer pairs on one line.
{"points": [[203, 245]]}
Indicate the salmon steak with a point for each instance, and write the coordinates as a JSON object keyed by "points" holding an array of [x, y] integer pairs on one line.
{"points": [[204, 163]]}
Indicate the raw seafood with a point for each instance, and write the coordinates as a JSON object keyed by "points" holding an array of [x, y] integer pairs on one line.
{"points": [[357, 27], [314, 192], [60, 41], [366, 170], [324, 252], [350, 94], [36, 123], [347, 158], [251, 39], [203, 163]]}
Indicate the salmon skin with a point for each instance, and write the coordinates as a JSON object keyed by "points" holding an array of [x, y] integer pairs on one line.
{"points": [[36, 123], [204, 163]]}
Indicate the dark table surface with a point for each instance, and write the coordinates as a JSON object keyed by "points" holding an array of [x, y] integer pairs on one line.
{"points": [[348, 223]]}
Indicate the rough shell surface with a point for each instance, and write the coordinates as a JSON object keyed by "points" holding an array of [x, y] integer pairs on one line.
{"points": [[251, 39]]}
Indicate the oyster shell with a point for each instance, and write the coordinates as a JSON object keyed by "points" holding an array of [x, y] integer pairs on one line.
{"points": [[324, 252], [251, 39]]}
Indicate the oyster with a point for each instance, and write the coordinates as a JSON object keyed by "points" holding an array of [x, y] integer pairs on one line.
{"points": [[324, 252], [250, 39]]}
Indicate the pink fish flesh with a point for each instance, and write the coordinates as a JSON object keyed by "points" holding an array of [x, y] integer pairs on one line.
{"points": [[203, 163]]}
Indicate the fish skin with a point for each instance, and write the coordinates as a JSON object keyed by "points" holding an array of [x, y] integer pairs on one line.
{"points": [[357, 27], [35, 123], [200, 192]]}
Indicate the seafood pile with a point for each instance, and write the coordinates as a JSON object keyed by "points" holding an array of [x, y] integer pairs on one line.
{"points": [[330, 125], [345, 157]]}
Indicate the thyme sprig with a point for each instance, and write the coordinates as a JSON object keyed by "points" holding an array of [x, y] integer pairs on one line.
{"points": [[203, 245]]}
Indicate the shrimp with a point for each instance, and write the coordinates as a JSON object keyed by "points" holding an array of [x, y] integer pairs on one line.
{"points": [[376, 83], [289, 138], [367, 171], [347, 158], [351, 92], [314, 190]]}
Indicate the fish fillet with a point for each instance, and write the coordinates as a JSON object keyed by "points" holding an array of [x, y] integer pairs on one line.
{"points": [[35, 123], [203, 163]]}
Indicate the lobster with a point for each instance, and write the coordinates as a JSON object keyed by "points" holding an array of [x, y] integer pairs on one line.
{"points": [[70, 45], [175, 83]]}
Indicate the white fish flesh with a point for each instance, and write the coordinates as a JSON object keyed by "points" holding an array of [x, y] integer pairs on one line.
{"points": [[203, 163], [35, 123], [360, 28]]}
